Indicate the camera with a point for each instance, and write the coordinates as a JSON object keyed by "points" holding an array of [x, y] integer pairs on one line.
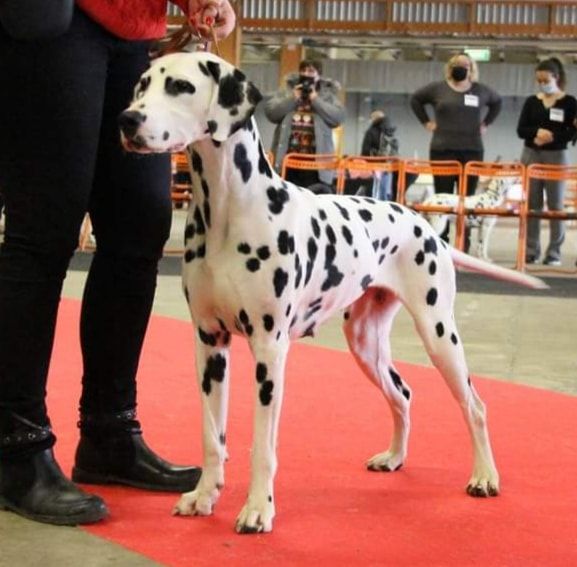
{"points": [[307, 84]]}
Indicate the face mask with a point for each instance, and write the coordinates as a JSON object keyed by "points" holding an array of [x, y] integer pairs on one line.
{"points": [[548, 88], [459, 73]]}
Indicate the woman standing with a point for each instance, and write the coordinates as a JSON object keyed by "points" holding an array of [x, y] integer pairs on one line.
{"points": [[546, 124], [463, 109]]}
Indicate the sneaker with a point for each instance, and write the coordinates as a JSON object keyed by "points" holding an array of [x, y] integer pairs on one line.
{"points": [[531, 259], [550, 261]]}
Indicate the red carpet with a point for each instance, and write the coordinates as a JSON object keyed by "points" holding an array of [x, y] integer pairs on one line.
{"points": [[330, 510]]}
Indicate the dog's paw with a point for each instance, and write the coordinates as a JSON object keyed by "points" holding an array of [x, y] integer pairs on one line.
{"points": [[385, 462], [483, 486], [196, 503], [256, 516]]}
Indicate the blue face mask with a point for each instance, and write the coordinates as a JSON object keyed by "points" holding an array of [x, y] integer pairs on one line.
{"points": [[548, 88]]}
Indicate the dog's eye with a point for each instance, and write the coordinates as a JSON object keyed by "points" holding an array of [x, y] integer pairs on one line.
{"points": [[142, 86], [175, 87]]}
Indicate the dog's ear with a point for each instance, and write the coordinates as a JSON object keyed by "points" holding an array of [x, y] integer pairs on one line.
{"points": [[233, 102]]}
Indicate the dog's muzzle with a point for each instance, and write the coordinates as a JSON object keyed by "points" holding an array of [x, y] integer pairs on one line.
{"points": [[129, 122]]}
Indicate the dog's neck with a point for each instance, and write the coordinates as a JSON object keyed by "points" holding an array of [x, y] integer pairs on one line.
{"points": [[222, 181]]}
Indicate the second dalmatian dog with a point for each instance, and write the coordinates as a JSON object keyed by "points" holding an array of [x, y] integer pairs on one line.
{"points": [[271, 261]]}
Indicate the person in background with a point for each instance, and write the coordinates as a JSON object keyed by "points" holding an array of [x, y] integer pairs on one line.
{"points": [[66, 92], [462, 108], [306, 111], [547, 125]]}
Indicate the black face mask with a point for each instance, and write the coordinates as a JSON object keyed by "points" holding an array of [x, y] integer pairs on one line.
{"points": [[459, 73]]}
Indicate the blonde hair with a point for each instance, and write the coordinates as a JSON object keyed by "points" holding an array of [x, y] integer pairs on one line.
{"points": [[474, 68]]}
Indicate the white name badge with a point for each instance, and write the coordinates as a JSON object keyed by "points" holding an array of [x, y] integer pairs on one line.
{"points": [[471, 100], [557, 115]]}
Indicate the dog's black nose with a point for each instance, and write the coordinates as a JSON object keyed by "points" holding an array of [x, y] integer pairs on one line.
{"points": [[129, 121]]}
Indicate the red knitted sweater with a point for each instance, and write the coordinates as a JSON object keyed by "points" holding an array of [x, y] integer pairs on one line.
{"points": [[130, 19]]}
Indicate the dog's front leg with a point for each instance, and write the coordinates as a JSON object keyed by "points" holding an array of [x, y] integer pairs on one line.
{"points": [[258, 512], [212, 367]]}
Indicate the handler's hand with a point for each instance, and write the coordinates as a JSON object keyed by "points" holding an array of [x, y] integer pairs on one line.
{"points": [[221, 12]]}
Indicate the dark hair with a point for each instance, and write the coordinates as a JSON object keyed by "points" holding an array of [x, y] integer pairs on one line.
{"points": [[555, 67], [311, 63]]}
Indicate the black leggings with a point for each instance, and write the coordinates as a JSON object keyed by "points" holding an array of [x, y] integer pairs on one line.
{"points": [[59, 157], [447, 183]]}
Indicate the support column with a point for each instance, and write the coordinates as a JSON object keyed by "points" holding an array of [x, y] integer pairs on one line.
{"points": [[290, 56], [231, 47]]}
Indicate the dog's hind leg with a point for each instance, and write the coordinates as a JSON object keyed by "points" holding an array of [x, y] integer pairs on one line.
{"points": [[212, 369], [367, 327], [432, 311], [270, 357]]}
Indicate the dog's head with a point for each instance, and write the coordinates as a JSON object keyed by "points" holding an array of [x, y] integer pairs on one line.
{"points": [[184, 98]]}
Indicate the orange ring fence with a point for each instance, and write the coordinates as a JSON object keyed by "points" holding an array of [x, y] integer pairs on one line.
{"points": [[365, 166], [310, 162], [546, 172], [492, 170]]}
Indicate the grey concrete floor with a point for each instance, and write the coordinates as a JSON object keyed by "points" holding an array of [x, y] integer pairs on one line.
{"points": [[517, 337]]}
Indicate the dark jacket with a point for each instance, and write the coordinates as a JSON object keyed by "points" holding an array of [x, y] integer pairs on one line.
{"points": [[379, 139], [328, 113]]}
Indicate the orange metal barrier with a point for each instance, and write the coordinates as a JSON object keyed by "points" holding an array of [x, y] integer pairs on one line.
{"points": [[548, 173], [494, 169], [314, 162], [180, 191], [432, 167], [366, 165]]}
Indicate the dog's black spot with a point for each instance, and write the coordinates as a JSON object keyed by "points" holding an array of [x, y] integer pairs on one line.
{"points": [[234, 112], [265, 394], [298, 271], [332, 237], [165, 135], [394, 249], [355, 253], [392, 219], [269, 498], [201, 251], [432, 295], [175, 87], [222, 439], [207, 338], [268, 322], [189, 256], [277, 199], [206, 209], [431, 245], [243, 317], [212, 126], [347, 234], [285, 243], [205, 188], [186, 294], [432, 267], [454, 339], [399, 384], [242, 162], [213, 69], [366, 281], [322, 215], [309, 331], [280, 281], [142, 87], [312, 255], [253, 95], [200, 227], [347, 315], [253, 264], [261, 372], [420, 257], [316, 227], [396, 208], [334, 276], [375, 245], [230, 91], [343, 211], [366, 215], [382, 258], [469, 381], [417, 231], [440, 328], [384, 243], [263, 252], [311, 312], [288, 310], [263, 164], [204, 69], [196, 161], [214, 371], [189, 232]]}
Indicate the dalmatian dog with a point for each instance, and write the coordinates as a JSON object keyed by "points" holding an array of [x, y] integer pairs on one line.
{"points": [[493, 197], [270, 261]]}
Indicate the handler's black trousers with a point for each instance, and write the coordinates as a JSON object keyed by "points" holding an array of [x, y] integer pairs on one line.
{"points": [[60, 156]]}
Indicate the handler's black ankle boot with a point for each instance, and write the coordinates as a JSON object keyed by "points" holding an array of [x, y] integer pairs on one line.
{"points": [[112, 451], [33, 485]]}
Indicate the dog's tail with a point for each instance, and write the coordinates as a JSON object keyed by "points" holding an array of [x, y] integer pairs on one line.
{"points": [[462, 260]]}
